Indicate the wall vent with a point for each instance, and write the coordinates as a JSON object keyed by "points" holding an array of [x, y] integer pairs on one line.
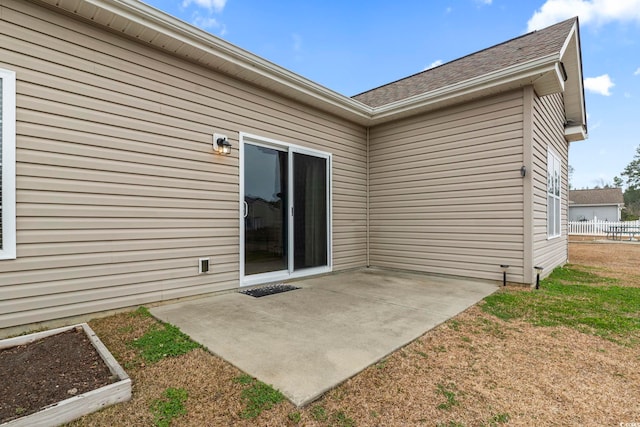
{"points": [[203, 265]]}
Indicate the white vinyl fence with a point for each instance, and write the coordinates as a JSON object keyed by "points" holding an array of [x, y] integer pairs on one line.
{"points": [[603, 228]]}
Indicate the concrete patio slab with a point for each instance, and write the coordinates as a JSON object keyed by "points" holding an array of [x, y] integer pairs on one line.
{"points": [[307, 341]]}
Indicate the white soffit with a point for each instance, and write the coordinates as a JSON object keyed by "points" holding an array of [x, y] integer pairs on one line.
{"points": [[154, 27], [151, 26]]}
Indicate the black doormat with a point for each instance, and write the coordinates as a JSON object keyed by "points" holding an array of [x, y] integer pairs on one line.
{"points": [[263, 291]]}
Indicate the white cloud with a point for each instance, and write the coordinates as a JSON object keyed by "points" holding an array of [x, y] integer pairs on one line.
{"points": [[627, 95], [487, 2], [215, 5], [297, 42], [208, 23], [596, 12], [599, 85], [637, 72], [204, 22], [433, 64]]}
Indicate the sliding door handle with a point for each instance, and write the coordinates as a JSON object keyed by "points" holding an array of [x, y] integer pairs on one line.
{"points": [[245, 207]]}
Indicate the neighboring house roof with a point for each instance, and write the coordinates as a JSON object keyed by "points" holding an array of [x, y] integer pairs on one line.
{"points": [[596, 197], [546, 58]]}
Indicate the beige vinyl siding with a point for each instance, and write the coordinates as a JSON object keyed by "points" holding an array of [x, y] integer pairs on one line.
{"points": [[118, 190], [548, 130], [446, 191]]}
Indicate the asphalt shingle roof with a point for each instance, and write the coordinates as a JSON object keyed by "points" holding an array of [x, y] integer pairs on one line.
{"points": [[537, 44], [598, 196]]}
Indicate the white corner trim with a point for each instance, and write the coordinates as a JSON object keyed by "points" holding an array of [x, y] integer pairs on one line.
{"points": [[8, 249]]}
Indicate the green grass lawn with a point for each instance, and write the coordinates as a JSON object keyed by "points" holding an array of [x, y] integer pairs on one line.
{"points": [[578, 299]]}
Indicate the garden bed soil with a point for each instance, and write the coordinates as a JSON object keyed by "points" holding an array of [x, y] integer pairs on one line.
{"points": [[47, 371]]}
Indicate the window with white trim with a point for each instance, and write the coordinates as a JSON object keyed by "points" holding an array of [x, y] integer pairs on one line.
{"points": [[553, 194], [7, 164]]}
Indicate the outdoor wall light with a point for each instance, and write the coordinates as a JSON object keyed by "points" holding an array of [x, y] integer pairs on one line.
{"points": [[221, 144], [538, 271], [523, 171], [504, 268]]}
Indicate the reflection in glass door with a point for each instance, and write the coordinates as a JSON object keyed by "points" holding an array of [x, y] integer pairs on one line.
{"points": [[310, 211], [265, 209]]}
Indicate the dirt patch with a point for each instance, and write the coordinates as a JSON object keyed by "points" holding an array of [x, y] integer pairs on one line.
{"points": [[48, 371]]}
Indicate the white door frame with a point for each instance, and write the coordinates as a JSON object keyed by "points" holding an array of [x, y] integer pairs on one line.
{"points": [[290, 273]]}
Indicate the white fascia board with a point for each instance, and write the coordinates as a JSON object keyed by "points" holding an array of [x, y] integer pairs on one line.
{"points": [[156, 20], [525, 73], [574, 57], [572, 34]]}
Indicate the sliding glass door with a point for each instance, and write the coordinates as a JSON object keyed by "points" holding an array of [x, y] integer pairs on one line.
{"points": [[285, 211], [265, 206]]}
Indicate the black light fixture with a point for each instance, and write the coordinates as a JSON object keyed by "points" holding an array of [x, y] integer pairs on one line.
{"points": [[538, 271], [504, 268], [523, 171], [221, 144]]}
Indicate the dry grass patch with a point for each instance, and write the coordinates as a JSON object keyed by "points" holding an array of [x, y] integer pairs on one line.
{"points": [[474, 370], [496, 371], [617, 260]]}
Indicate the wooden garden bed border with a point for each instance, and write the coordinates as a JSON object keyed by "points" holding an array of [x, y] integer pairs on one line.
{"points": [[75, 407]]}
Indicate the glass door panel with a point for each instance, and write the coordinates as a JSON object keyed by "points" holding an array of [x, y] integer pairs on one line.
{"points": [[310, 213], [265, 197]]}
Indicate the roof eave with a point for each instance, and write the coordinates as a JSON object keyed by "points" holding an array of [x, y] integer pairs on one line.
{"points": [[541, 73], [165, 32], [574, 99]]}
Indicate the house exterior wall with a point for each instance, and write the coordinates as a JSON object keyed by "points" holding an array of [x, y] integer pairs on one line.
{"points": [[601, 213], [548, 131], [118, 190], [446, 194]]}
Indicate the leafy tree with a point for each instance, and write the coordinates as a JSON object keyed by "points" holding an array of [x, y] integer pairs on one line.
{"points": [[632, 204], [632, 171], [571, 171], [617, 182], [632, 194]]}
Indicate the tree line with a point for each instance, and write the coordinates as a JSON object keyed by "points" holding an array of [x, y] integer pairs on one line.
{"points": [[632, 193]]}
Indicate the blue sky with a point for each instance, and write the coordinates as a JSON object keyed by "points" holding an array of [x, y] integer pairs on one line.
{"points": [[351, 47]]}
